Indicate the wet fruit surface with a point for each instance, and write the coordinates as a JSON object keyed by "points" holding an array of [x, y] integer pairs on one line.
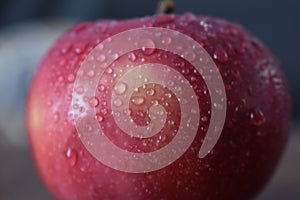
{"points": [[254, 134]]}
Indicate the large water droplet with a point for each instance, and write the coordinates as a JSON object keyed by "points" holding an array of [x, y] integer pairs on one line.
{"points": [[132, 57], [257, 117], [72, 156], [220, 55], [150, 47], [120, 88], [94, 101], [138, 100]]}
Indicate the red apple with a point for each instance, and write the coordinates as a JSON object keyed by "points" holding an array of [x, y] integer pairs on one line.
{"points": [[237, 167]]}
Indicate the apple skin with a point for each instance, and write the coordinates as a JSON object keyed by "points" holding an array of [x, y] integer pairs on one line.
{"points": [[240, 164]]}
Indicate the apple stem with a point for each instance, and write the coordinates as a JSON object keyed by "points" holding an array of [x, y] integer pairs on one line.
{"points": [[165, 6]]}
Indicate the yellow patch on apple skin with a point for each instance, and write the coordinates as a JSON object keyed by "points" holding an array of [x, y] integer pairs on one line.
{"points": [[35, 116]]}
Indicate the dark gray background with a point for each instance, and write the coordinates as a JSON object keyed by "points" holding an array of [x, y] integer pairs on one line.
{"points": [[25, 21]]}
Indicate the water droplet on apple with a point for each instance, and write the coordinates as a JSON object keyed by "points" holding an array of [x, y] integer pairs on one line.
{"points": [[170, 83], [120, 88], [99, 47], [72, 156], [118, 102], [104, 103], [71, 77], [166, 40], [79, 90], [185, 71], [94, 101], [132, 57], [69, 98], [138, 100], [115, 56], [169, 95], [220, 55], [75, 106], [257, 117], [66, 48], [79, 48], [91, 73], [204, 119], [99, 118], [218, 106], [150, 92], [128, 112], [109, 70], [101, 58], [104, 111], [190, 56], [60, 79], [150, 48], [101, 88]]}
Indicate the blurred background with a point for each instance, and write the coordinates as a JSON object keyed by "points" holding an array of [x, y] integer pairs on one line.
{"points": [[29, 27]]}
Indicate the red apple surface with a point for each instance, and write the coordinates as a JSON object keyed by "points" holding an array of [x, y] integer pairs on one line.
{"points": [[237, 167]]}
